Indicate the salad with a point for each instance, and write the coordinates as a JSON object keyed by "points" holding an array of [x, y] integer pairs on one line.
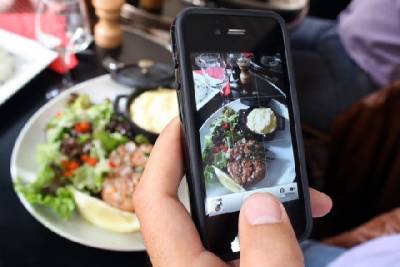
{"points": [[224, 132], [236, 159], [74, 161]]}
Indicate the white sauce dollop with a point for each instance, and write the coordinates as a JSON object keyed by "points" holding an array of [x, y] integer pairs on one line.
{"points": [[261, 120], [154, 109]]}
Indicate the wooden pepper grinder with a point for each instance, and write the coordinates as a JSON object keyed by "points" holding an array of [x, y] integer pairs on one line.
{"points": [[244, 65], [245, 77], [108, 31]]}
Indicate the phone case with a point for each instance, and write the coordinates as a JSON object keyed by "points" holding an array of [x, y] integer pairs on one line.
{"points": [[196, 186]]}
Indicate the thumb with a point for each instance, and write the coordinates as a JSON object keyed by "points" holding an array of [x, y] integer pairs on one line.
{"points": [[266, 235]]}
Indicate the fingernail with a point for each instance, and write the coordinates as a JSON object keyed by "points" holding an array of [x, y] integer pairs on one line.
{"points": [[262, 208]]}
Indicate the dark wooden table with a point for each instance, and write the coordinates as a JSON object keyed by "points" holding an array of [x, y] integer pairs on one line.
{"points": [[23, 240]]}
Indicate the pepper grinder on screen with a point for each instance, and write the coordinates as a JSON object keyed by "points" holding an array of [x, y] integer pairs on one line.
{"points": [[108, 31], [245, 77]]}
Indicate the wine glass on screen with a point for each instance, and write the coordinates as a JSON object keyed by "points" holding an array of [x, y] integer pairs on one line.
{"points": [[63, 26], [213, 68]]}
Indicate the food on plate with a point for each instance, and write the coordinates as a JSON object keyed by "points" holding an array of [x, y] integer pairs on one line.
{"points": [[247, 162], [6, 65], [154, 109], [104, 216], [82, 154], [127, 164], [231, 157], [262, 121], [227, 181]]}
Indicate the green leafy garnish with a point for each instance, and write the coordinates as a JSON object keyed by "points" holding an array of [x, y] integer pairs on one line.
{"points": [[110, 141], [209, 173], [72, 158], [141, 139], [90, 178], [60, 201]]}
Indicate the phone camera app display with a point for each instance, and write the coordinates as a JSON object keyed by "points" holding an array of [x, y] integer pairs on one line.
{"points": [[244, 128]]}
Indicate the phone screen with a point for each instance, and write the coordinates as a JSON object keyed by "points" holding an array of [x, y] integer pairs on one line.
{"points": [[244, 128], [247, 138]]}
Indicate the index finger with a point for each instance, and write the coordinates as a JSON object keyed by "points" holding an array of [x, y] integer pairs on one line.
{"points": [[170, 236], [164, 169]]}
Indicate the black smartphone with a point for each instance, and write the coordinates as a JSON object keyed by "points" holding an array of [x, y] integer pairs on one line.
{"points": [[240, 120]]}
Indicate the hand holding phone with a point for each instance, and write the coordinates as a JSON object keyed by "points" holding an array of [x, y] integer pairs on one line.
{"points": [[240, 120], [170, 235]]}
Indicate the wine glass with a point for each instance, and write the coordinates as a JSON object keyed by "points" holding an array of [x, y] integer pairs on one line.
{"points": [[213, 68], [63, 26]]}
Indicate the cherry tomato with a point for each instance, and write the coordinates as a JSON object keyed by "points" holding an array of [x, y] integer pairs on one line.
{"points": [[92, 161], [65, 164], [82, 127], [73, 165], [226, 126], [68, 174], [85, 157]]}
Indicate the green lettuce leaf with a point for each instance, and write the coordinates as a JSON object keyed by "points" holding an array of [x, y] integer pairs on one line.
{"points": [[110, 141], [141, 139], [221, 160], [89, 178], [44, 178], [100, 114], [47, 153], [58, 126], [80, 110], [209, 173], [81, 102], [62, 202]]}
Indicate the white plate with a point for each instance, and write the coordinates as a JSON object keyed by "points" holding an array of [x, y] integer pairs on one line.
{"points": [[29, 58], [23, 166]]}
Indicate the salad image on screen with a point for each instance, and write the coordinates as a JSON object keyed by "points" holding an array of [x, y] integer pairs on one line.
{"points": [[227, 149], [244, 128]]}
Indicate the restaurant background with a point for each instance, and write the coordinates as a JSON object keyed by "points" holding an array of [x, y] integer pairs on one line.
{"points": [[26, 242]]}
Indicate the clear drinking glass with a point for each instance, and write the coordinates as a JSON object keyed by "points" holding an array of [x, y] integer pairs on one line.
{"points": [[63, 26], [213, 68]]}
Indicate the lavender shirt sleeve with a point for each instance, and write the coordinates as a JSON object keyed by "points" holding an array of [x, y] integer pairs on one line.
{"points": [[382, 252], [370, 32]]}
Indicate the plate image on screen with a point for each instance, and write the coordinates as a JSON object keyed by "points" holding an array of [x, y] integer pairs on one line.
{"points": [[245, 134]]}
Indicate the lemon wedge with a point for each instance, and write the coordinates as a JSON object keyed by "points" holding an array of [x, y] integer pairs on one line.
{"points": [[227, 181], [105, 216]]}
